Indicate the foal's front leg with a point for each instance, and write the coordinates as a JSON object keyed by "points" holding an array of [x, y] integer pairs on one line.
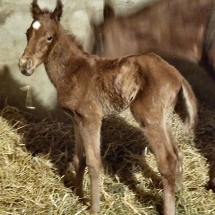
{"points": [[89, 131], [79, 162]]}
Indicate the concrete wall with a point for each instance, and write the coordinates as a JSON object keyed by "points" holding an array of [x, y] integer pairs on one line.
{"points": [[15, 18]]}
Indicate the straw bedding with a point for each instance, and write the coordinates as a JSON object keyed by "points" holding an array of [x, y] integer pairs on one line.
{"points": [[37, 173]]}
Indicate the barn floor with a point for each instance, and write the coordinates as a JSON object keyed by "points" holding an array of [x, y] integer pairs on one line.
{"points": [[36, 175]]}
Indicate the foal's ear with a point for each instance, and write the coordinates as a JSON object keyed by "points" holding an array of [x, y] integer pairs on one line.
{"points": [[56, 15], [108, 11], [35, 10]]}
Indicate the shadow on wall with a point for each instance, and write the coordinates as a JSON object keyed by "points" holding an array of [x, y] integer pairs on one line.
{"points": [[10, 94]]}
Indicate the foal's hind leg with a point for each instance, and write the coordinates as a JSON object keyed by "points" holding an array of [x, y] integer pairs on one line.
{"points": [[178, 153], [167, 161], [157, 129]]}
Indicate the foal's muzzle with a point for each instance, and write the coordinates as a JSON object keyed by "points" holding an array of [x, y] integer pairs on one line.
{"points": [[25, 66]]}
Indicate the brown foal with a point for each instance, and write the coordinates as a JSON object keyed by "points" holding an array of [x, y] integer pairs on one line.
{"points": [[90, 87]]}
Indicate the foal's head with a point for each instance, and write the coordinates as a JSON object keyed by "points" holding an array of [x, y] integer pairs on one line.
{"points": [[41, 36]]}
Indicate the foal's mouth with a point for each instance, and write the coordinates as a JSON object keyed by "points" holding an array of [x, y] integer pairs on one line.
{"points": [[27, 72]]}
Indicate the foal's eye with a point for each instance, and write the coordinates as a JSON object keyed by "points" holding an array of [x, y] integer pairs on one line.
{"points": [[49, 39]]}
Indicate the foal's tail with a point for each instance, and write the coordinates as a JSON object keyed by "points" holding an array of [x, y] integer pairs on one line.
{"points": [[191, 104]]}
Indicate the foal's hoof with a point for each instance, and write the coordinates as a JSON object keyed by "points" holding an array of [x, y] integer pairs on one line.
{"points": [[94, 213], [95, 210]]}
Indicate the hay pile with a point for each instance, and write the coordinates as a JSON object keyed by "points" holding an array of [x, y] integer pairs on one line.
{"points": [[37, 174]]}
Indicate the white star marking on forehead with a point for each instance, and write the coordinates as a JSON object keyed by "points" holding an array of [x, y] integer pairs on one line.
{"points": [[36, 25]]}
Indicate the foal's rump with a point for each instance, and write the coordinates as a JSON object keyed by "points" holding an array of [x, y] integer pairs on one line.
{"points": [[164, 83]]}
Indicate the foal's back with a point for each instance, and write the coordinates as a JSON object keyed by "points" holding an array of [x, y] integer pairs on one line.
{"points": [[115, 83]]}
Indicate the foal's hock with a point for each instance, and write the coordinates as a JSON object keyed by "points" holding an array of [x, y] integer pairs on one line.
{"points": [[90, 87]]}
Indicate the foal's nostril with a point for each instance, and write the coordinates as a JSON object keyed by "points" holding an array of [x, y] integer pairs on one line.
{"points": [[22, 62], [25, 63], [29, 64]]}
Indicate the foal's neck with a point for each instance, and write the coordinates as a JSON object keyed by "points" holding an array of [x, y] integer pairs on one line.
{"points": [[66, 57]]}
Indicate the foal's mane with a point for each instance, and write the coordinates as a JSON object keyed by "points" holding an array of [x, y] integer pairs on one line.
{"points": [[73, 39]]}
